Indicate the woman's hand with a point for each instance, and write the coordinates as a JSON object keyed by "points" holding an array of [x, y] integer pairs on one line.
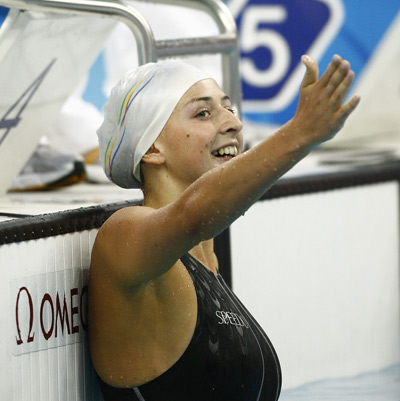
{"points": [[321, 113]]}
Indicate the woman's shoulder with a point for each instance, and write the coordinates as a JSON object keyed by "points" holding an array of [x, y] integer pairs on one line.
{"points": [[117, 244], [125, 219], [142, 243], [126, 214]]}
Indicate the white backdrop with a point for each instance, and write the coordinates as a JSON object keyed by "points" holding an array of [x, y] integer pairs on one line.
{"points": [[320, 272], [58, 367]]}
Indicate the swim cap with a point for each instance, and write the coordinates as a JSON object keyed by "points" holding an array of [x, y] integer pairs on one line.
{"points": [[137, 110]]}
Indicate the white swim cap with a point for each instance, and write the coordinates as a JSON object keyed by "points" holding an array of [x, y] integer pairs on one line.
{"points": [[137, 110]]}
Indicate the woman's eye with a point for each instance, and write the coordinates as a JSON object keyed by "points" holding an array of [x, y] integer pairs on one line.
{"points": [[233, 111], [203, 113]]}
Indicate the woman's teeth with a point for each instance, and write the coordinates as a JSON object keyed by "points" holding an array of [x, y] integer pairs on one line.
{"points": [[227, 151]]}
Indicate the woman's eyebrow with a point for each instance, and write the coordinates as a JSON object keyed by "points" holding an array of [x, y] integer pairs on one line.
{"points": [[207, 99]]}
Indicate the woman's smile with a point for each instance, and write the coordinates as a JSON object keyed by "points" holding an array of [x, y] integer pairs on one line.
{"points": [[226, 151]]}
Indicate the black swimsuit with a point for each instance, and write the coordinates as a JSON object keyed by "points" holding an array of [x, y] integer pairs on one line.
{"points": [[229, 358]]}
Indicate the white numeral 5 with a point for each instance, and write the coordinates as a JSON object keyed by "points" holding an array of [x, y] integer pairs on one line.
{"points": [[252, 37]]}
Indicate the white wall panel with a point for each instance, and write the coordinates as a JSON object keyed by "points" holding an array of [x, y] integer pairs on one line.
{"points": [[54, 271], [320, 272]]}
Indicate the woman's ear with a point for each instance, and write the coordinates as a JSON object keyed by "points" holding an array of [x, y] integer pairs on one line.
{"points": [[154, 155]]}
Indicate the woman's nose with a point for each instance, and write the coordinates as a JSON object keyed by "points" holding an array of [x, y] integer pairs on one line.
{"points": [[231, 123]]}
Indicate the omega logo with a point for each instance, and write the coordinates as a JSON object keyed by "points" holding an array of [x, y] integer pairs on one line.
{"points": [[49, 318]]}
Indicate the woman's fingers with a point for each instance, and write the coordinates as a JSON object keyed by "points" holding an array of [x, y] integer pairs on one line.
{"points": [[349, 107], [339, 77], [320, 110], [336, 82], [332, 68], [341, 89], [311, 74], [332, 78]]}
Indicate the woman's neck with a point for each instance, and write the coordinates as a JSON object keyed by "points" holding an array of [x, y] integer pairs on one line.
{"points": [[161, 192], [166, 192], [204, 252]]}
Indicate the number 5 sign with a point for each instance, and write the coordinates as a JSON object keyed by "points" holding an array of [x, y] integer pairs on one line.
{"points": [[273, 35]]}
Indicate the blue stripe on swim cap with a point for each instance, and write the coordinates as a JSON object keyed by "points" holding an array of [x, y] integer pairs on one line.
{"points": [[116, 151], [134, 97], [123, 120]]}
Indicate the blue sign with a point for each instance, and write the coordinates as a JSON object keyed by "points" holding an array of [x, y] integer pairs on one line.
{"points": [[273, 37], [273, 34], [3, 14]]}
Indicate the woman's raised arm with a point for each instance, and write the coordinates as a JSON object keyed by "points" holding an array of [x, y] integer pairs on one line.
{"points": [[143, 243], [223, 194]]}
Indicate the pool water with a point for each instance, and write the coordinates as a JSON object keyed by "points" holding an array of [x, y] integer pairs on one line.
{"points": [[383, 385]]}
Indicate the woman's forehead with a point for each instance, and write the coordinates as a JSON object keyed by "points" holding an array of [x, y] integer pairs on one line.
{"points": [[206, 89]]}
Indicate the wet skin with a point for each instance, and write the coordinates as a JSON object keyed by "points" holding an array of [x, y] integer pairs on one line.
{"points": [[142, 303]]}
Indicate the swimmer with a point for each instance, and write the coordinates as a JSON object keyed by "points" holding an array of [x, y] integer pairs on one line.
{"points": [[164, 326]]}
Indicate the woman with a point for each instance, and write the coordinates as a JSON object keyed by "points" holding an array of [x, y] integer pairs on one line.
{"points": [[163, 324]]}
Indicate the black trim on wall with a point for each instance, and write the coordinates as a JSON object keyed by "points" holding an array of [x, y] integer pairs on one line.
{"points": [[48, 225], [222, 246], [361, 175]]}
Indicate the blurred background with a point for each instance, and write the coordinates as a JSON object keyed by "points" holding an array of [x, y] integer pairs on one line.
{"points": [[273, 35], [319, 270]]}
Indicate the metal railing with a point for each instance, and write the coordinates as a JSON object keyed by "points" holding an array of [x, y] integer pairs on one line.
{"points": [[149, 49]]}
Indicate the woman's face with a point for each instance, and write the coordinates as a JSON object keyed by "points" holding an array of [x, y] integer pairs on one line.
{"points": [[202, 132]]}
